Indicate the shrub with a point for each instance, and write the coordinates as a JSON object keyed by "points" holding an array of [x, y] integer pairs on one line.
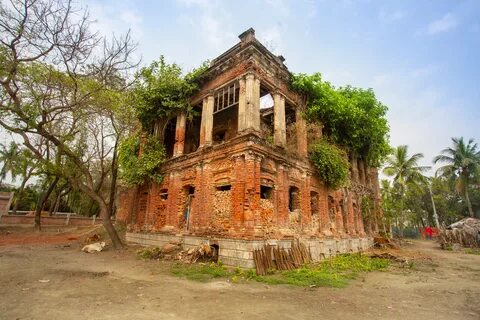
{"points": [[331, 163]]}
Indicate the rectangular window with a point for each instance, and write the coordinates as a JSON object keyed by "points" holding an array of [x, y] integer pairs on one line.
{"points": [[226, 97]]}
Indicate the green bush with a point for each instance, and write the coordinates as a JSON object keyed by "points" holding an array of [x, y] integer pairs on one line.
{"points": [[135, 168], [331, 163]]}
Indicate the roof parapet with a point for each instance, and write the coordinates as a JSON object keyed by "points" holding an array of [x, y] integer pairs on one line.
{"points": [[248, 35]]}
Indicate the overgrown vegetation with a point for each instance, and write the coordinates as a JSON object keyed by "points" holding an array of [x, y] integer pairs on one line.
{"points": [[333, 272], [162, 90], [331, 163], [138, 168], [352, 117]]}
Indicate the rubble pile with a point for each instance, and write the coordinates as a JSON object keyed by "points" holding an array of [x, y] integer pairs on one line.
{"points": [[174, 251], [465, 233]]}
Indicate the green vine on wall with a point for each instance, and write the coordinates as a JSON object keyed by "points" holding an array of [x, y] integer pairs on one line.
{"points": [[135, 168], [331, 163]]}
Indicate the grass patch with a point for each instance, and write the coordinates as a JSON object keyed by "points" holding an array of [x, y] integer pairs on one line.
{"points": [[200, 272], [149, 253], [475, 251], [333, 272]]}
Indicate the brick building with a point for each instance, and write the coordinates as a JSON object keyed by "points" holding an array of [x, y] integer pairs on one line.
{"points": [[238, 174]]}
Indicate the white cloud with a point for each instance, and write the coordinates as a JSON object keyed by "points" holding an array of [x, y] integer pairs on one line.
{"points": [[444, 24], [390, 17], [212, 22]]}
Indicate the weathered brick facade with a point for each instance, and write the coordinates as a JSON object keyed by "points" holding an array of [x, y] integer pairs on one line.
{"points": [[249, 176]]}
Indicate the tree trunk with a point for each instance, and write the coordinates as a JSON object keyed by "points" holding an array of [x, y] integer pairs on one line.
{"points": [[19, 195], [41, 203], [107, 224], [435, 215], [469, 204], [113, 186]]}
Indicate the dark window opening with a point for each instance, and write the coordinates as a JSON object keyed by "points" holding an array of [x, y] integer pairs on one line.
{"points": [[266, 115], [164, 194], [224, 187], [192, 131], [220, 135], [225, 124], [169, 137], [293, 199], [216, 250], [266, 192], [190, 189], [291, 127]]}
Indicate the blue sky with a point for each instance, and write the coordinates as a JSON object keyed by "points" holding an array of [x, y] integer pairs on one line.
{"points": [[420, 57]]}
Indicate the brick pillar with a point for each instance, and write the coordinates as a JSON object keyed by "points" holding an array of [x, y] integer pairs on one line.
{"points": [[174, 200], [280, 135], [305, 201], [324, 220], [238, 190], [301, 126], [252, 102], [256, 105], [242, 105], [354, 167], [198, 208], [361, 171], [180, 134], [207, 189], [206, 125], [350, 214], [281, 193], [252, 189]]}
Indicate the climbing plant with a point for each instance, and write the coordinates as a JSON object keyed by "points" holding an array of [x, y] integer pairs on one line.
{"points": [[331, 163], [162, 90], [352, 117], [137, 168]]}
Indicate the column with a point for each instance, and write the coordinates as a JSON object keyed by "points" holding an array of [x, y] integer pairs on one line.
{"points": [[180, 134], [206, 125], [242, 105], [256, 105], [354, 166], [361, 171], [305, 200], [238, 190], [279, 124], [249, 103], [249, 88], [301, 126]]}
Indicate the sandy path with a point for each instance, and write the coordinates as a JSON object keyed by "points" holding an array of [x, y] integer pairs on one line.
{"points": [[115, 285]]}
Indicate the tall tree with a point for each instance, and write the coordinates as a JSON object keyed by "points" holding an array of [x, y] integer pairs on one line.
{"points": [[8, 159], [406, 173], [462, 165], [53, 72], [26, 166]]}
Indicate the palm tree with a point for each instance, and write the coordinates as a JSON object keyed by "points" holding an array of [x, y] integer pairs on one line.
{"points": [[462, 165], [8, 158], [406, 173]]}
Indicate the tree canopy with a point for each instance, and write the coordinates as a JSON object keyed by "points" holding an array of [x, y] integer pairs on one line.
{"points": [[462, 165], [352, 117]]}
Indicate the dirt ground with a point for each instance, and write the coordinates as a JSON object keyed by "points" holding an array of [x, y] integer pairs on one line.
{"points": [[53, 279]]}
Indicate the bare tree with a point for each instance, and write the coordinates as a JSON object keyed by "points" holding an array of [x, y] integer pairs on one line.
{"points": [[54, 72]]}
